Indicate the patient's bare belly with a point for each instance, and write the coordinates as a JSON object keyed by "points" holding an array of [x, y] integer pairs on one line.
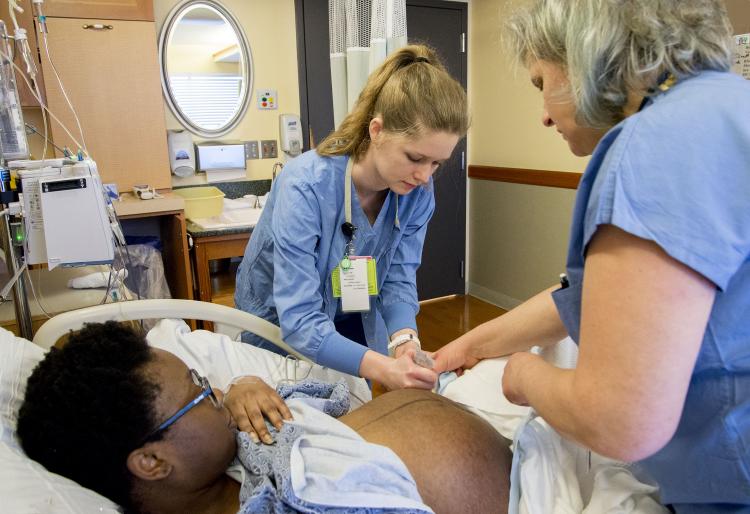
{"points": [[460, 463]]}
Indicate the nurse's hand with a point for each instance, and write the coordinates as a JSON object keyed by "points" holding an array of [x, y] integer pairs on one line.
{"points": [[453, 356], [399, 373], [250, 402], [402, 348], [513, 384]]}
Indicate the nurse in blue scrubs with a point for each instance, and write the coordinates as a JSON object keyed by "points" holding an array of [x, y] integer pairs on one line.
{"points": [[333, 259], [657, 293]]}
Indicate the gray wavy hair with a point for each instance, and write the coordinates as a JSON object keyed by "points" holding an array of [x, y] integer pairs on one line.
{"points": [[610, 48]]}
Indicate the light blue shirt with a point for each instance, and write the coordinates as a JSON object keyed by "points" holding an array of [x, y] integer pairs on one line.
{"points": [[285, 275], [678, 173]]}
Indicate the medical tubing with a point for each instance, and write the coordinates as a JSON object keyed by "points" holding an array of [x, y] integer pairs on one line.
{"points": [[44, 122], [41, 103], [12, 8], [37, 299], [34, 130], [130, 263], [6, 289], [57, 76], [109, 285]]}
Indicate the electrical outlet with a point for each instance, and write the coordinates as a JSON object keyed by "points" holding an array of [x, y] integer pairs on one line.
{"points": [[251, 150], [268, 149]]}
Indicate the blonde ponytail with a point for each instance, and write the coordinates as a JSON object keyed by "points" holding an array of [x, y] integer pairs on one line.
{"points": [[412, 92]]}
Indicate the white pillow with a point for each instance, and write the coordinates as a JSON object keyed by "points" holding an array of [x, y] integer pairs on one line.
{"points": [[25, 486], [18, 357], [220, 359]]}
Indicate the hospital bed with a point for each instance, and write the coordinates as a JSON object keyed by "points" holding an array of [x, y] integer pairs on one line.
{"points": [[550, 474]]}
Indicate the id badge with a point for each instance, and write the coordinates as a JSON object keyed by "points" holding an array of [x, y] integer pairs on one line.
{"points": [[355, 284]]}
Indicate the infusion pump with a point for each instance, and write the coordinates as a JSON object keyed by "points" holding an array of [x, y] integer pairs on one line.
{"points": [[66, 217]]}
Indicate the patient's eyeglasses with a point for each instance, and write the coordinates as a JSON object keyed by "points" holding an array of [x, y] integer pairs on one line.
{"points": [[206, 392]]}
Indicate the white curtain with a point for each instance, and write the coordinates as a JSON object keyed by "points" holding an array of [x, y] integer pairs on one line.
{"points": [[362, 33]]}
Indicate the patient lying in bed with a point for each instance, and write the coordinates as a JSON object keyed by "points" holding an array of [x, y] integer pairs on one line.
{"points": [[93, 409]]}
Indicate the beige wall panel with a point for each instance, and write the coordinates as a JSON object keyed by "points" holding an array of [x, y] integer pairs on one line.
{"points": [[506, 109], [520, 236], [270, 29], [739, 14]]}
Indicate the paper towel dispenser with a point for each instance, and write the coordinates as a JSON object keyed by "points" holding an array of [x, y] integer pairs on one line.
{"points": [[220, 156]]}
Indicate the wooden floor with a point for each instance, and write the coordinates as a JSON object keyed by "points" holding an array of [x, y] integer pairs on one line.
{"points": [[442, 320], [439, 321]]}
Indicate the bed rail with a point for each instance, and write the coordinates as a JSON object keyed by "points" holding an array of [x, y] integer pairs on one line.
{"points": [[61, 324]]}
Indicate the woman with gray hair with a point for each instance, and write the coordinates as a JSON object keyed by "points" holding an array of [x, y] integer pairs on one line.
{"points": [[657, 292]]}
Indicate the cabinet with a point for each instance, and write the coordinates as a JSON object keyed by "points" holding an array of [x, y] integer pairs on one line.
{"points": [[111, 76], [142, 10]]}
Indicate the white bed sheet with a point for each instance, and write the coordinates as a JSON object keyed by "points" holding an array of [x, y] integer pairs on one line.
{"points": [[554, 474]]}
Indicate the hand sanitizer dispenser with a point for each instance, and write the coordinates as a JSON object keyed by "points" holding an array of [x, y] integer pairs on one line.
{"points": [[290, 134]]}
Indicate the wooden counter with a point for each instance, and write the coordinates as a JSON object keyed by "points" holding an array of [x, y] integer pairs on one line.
{"points": [[170, 213]]}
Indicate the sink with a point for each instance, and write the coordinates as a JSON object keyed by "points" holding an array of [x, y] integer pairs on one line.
{"points": [[248, 216], [236, 213]]}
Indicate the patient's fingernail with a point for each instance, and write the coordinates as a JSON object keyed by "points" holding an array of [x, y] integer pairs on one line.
{"points": [[268, 439], [254, 437]]}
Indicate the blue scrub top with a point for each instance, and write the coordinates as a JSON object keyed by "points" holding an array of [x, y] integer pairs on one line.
{"points": [[285, 275], [678, 173]]}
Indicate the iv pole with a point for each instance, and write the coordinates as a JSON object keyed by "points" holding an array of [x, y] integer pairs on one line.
{"points": [[20, 300], [10, 115]]}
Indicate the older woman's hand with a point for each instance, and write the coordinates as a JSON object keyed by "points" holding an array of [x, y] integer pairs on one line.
{"points": [[513, 383], [250, 402], [453, 357]]}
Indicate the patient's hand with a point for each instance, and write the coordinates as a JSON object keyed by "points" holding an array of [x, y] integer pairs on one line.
{"points": [[249, 400]]}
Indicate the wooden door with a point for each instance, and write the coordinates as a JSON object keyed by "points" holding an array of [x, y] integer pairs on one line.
{"points": [[142, 10], [112, 78], [442, 25]]}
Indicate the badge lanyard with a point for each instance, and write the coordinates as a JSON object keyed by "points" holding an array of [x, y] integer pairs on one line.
{"points": [[354, 280], [348, 228]]}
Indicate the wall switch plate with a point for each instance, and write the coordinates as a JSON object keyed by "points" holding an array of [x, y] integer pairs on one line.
{"points": [[266, 99], [268, 149], [251, 150]]}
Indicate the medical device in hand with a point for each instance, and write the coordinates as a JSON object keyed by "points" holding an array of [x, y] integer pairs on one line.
{"points": [[424, 360], [290, 134]]}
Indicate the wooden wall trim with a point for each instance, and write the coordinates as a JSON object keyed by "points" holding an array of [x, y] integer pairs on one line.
{"points": [[564, 179]]}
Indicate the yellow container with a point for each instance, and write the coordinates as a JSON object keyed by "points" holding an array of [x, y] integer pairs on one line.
{"points": [[202, 202]]}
